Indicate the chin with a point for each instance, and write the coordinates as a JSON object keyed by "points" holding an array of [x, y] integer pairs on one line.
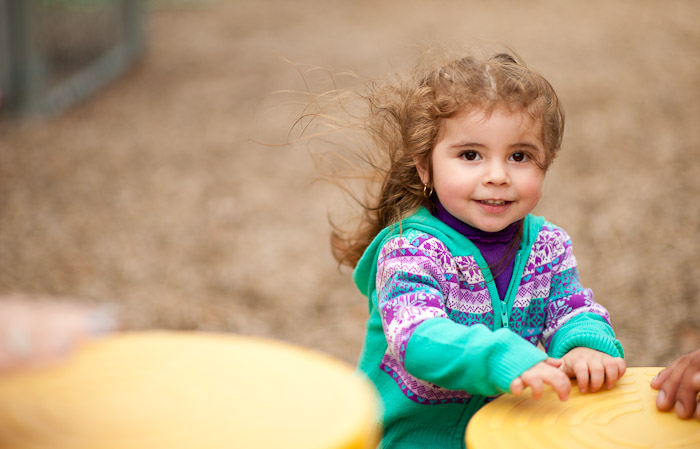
{"points": [[493, 227]]}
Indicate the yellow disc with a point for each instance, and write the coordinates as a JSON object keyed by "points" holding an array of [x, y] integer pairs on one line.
{"points": [[622, 418], [189, 391]]}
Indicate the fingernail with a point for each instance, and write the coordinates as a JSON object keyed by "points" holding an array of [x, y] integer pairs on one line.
{"points": [[103, 320], [19, 341], [680, 410], [660, 399]]}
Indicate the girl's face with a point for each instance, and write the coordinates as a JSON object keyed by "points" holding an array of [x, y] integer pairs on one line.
{"points": [[485, 170]]}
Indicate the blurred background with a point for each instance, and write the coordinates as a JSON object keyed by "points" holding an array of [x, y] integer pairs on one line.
{"points": [[130, 168]]}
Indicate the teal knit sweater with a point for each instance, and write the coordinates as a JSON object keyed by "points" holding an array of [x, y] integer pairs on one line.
{"points": [[440, 342]]}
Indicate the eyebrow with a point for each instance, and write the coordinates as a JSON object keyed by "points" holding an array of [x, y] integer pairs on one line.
{"points": [[466, 144], [528, 145], [459, 145]]}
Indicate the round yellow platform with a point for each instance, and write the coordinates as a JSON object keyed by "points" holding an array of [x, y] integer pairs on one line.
{"points": [[166, 390], [622, 418]]}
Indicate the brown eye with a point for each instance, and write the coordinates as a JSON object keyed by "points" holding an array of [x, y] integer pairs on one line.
{"points": [[470, 155], [519, 157]]}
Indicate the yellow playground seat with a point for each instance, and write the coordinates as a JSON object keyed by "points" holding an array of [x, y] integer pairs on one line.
{"points": [[622, 418], [178, 390]]}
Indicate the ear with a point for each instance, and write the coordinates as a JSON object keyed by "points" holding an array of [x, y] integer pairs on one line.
{"points": [[422, 168]]}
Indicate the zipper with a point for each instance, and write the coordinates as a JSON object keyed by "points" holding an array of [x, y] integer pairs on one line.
{"points": [[509, 293]]}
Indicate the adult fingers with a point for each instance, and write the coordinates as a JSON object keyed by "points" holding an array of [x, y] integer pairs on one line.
{"points": [[660, 378], [686, 396], [696, 381], [38, 332], [666, 398]]}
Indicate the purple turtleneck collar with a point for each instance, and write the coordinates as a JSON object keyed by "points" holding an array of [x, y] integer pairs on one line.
{"points": [[497, 248]]}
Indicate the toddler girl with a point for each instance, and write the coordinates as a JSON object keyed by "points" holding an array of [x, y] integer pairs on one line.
{"points": [[462, 281]]}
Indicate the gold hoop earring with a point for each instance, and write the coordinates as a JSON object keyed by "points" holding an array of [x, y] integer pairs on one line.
{"points": [[427, 193]]}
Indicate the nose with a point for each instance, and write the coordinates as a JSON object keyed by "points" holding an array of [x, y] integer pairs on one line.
{"points": [[496, 173]]}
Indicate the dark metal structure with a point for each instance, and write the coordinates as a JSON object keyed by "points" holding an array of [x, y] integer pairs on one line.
{"points": [[54, 53]]}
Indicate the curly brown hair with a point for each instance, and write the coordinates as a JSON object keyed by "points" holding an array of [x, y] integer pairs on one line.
{"points": [[403, 119]]}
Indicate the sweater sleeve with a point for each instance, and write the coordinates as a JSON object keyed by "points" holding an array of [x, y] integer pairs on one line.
{"points": [[572, 316], [474, 359], [430, 346]]}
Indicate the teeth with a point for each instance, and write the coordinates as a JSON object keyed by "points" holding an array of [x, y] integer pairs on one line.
{"points": [[494, 202]]}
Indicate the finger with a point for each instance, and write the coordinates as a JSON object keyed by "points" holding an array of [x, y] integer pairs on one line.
{"points": [[516, 387], [551, 361], [537, 388], [566, 368], [582, 375], [669, 387], [103, 320], [621, 367], [682, 410], [686, 397], [696, 381], [660, 378], [611, 374], [596, 372], [561, 384], [19, 342]]}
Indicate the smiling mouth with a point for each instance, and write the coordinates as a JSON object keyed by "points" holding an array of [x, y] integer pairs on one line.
{"points": [[494, 202]]}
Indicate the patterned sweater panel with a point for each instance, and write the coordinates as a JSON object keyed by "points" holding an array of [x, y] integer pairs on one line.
{"points": [[550, 291], [418, 278]]}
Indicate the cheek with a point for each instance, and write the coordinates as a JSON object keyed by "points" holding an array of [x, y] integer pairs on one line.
{"points": [[451, 183], [533, 188]]}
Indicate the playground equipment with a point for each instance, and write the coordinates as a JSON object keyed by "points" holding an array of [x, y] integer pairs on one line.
{"points": [[54, 53], [622, 418], [180, 390]]}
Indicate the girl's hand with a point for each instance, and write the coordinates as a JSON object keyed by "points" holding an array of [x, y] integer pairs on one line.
{"points": [[679, 385], [592, 368], [547, 372]]}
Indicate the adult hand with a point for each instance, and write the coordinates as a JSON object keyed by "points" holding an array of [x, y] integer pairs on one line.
{"points": [[679, 385], [37, 331]]}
